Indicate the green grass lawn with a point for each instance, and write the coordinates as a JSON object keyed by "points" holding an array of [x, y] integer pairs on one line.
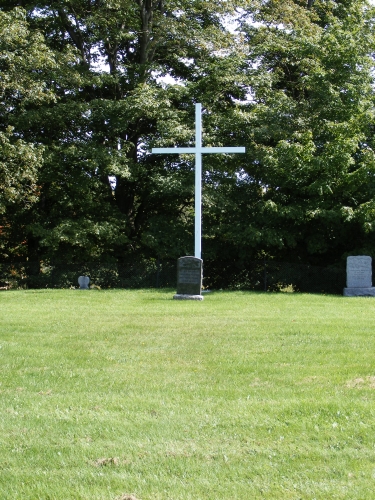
{"points": [[242, 396]]}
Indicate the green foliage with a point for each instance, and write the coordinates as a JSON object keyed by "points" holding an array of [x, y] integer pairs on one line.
{"points": [[19, 164], [23, 56], [110, 108], [85, 100], [307, 130]]}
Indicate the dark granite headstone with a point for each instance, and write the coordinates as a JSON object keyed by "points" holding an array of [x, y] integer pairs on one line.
{"points": [[189, 278]]}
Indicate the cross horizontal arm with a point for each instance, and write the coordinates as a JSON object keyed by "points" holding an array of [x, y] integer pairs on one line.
{"points": [[174, 150], [197, 150], [223, 150]]}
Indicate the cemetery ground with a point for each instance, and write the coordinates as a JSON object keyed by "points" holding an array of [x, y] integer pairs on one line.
{"points": [[107, 394]]}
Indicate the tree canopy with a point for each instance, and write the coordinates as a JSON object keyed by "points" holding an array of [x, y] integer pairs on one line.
{"points": [[90, 86]]}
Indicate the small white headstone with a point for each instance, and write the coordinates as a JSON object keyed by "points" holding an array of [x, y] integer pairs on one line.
{"points": [[83, 282], [359, 276]]}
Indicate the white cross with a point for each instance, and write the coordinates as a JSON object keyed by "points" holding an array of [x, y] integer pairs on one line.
{"points": [[198, 151]]}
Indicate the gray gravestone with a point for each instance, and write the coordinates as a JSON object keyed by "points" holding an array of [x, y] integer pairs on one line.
{"points": [[83, 282], [359, 276], [189, 278]]}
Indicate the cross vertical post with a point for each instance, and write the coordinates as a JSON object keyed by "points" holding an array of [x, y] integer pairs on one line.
{"points": [[198, 181]]}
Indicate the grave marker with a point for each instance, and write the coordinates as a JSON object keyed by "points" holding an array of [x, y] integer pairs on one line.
{"points": [[189, 278], [359, 276], [83, 282]]}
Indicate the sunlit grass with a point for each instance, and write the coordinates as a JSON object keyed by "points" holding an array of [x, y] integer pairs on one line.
{"points": [[243, 396]]}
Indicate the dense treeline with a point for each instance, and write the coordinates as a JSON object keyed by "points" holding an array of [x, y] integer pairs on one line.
{"points": [[86, 92]]}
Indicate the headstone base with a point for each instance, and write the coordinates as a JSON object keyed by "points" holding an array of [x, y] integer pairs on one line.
{"points": [[359, 292], [183, 296]]}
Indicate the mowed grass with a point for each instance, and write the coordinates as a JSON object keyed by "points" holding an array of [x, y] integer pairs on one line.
{"points": [[242, 396]]}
